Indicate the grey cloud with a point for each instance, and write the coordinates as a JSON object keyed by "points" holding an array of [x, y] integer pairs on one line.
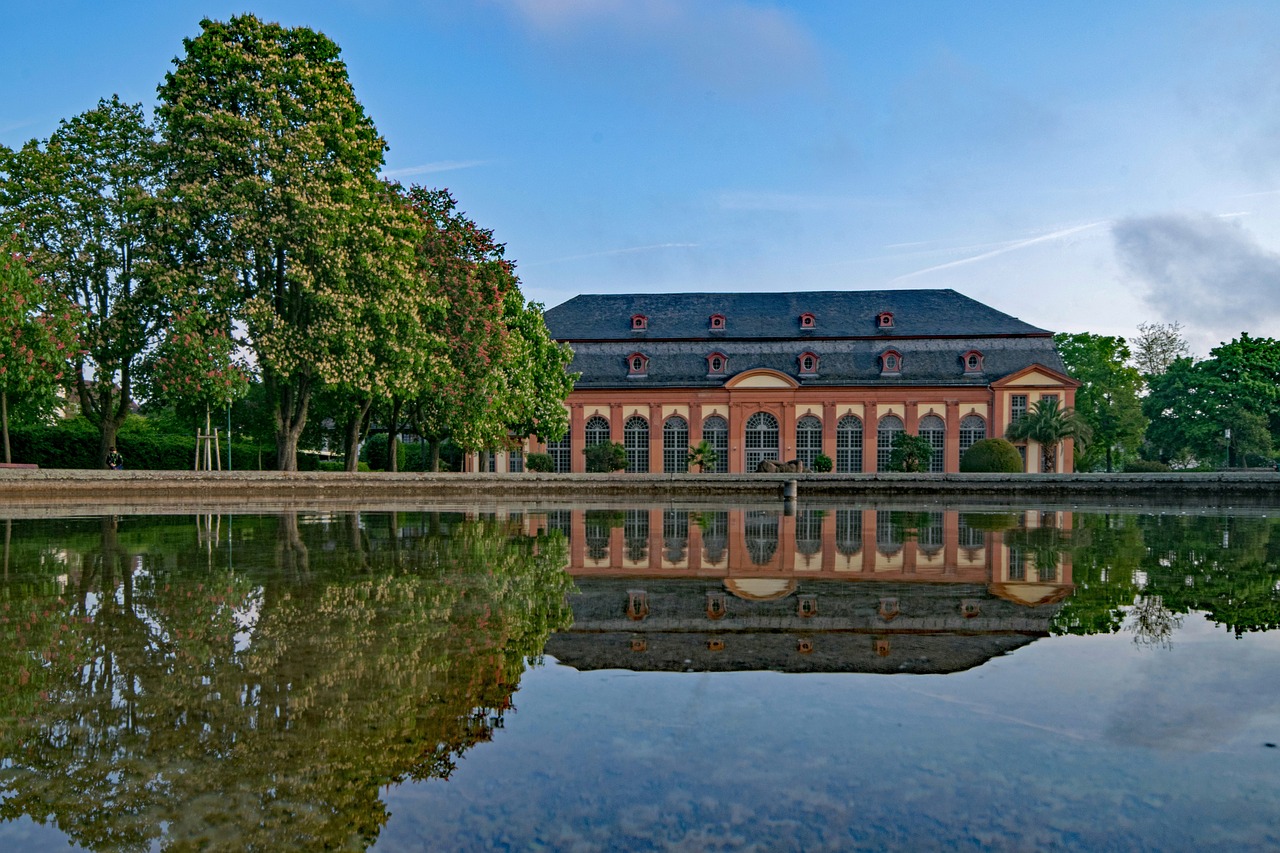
{"points": [[1203, 270]]}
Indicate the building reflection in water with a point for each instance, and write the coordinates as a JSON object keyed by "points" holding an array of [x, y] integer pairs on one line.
{"points": [[835, 590]]}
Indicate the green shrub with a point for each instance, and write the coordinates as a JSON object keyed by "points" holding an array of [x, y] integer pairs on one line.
{"points": [[991, 456], [340, 465], [539, 462], [911, 453], [822, 463], [74, 444], [605, 457], [1145, 466]]}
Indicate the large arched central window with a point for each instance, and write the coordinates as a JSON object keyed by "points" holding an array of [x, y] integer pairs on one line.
{"points": [[715, 430], [887, 433], [635, 436], [596, 431], [762, 439], [849, 445], [675, 445], [933, 430], [808, 440]]}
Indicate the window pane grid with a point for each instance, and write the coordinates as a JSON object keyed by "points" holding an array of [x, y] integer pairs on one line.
{"points": [[762, 439], [849, 445], [596, 431], [675, 446], [635, 437], [972, 430], [560, 455], [886, 435], [933, 430], [715, 430], [808, 439]]}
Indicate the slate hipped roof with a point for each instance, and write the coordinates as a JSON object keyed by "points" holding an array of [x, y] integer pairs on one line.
{"points": [[838, 313], [931, 331]]}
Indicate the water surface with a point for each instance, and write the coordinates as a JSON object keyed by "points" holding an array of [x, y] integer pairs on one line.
{"points": [[646, 678]]}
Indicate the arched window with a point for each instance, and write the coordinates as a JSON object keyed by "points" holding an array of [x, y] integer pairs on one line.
{"points": [[715, 430], [972, 361], [675, 535], [888, 534], [808, 440], [934, 431], [929, 537], [639, 322], [595, 432], [717, 322], [635, 535], [808, 362], [849, 445], [561, 455], [760, 529], [972, 430], [637, 364], [715, 538], [808, 321], [809, 532], [717, 363], [762, 439], [675, 445], [890, 362], [635, 437], [848, 531], [887, 433]]}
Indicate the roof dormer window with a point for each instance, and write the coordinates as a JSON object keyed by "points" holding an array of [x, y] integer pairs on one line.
{"points": [[808, 363], [717, 322], [808, 321], [639, 322], [637, 364], [972, 361], [884, 320], [890, 362], [717, 363]]}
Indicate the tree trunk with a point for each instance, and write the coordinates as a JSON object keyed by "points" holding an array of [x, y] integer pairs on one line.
{"points": [[356, 428], [435, 455], [393, 436], [290, 417], [4, 426], [1108, 459]]}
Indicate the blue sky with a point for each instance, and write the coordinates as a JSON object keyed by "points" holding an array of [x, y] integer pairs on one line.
{"points": [[1084, 166]]}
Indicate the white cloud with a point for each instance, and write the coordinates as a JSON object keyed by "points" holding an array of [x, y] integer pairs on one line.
{"points": [[431, 168], [1005, 248]]}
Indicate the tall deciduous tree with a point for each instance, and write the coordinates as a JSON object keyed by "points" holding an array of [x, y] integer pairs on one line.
{"points": [[1157, 346], [273, 173], [1108, 397], [1223, 409], [38, 337], [82, 201], [1050, 425]]}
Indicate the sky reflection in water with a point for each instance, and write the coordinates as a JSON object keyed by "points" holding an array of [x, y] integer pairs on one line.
{"points": [[357, 681]]}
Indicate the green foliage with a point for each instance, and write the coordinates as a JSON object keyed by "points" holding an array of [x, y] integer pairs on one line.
{"points": [[329, 465], [704, 456], [74, 444], [1145, 466], [84, 203], [911, 453], [1192, 406], [1050, 425], [541, 463], [606, 457], [993, 522], [991, 456], [822, 463], [1108, 398]]}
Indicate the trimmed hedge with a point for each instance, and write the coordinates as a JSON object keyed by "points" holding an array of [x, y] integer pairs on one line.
{"points": [[74, 444], [539, 462], [991, 456], [1145, 466]]}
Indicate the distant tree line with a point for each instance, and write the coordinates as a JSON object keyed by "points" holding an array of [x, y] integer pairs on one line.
{"points": [[244, 243], [1155, 406]]}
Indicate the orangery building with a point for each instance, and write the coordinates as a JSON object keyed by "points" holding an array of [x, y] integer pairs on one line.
{"points": [[794, 375]]}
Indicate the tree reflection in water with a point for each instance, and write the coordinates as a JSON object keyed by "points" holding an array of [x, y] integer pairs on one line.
{"points": [[154, 695]]}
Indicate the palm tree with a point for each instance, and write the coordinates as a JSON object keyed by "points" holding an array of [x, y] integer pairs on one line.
{"points": [[1050, 426]]}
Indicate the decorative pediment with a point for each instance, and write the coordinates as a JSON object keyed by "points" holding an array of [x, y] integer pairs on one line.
{"points": [[1036, 375], [761, 377]]}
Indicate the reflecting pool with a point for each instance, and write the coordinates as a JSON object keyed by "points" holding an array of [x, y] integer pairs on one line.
{"points": [[642, 678]]}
